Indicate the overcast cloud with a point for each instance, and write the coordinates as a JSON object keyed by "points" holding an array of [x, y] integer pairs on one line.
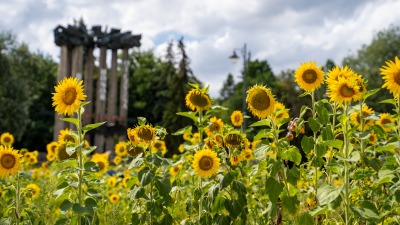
{"points": [[283, 32]]}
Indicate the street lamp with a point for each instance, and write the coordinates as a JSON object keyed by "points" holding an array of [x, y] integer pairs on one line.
{"points": [[234, 58]]}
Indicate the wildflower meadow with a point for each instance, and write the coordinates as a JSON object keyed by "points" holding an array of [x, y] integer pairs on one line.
{"points": [[346, 169]]}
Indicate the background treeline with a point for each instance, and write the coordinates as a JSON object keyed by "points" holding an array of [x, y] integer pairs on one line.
{"points": [[158, 86]]}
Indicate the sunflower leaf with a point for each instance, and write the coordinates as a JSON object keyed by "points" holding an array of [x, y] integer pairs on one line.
{"points": [[314, 124], [389, 101], [71, 120], [191, 115], [371, 92], [185, 130], [264, 122], [92, 126]]}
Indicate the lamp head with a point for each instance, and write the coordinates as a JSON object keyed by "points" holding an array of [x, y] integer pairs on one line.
{"points": [[234, 57]]}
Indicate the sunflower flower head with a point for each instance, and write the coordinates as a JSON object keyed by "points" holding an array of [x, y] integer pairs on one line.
{"points": [[114, 198], [233, 139], [145, 133], [355, 117], [174, 170], [215, 126], [385, 120], [198, 99], [61, 151], [260, 101], [121, 149], [9, 161], [391, 76], [309, 77], [235, 159], [280, 111], [6, 139], [68, 96], [237, 118], [101, 159], [32, 190], [206, 163]]}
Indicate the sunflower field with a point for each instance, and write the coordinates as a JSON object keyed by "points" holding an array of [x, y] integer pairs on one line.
{"points": [[346, 169]]}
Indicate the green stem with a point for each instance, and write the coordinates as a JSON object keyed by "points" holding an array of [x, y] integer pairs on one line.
{"points": [[200, 199], [80, 162], [346, 167], [151, 202], [314, 114], [18, 199], [362, 130]]}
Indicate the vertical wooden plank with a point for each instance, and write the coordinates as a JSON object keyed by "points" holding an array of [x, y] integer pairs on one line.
{"points": [[112, 99], [123, 91], [88, 82], [63, 71], [101, 98]]}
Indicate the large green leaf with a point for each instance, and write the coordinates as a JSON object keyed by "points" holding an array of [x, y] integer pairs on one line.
{"points": [[307, 144], [366, 211], [327, 194], [273, 189], [145, 176], [292, 154]]}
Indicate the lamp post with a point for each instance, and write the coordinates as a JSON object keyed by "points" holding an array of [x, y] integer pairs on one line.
{"points": [[234, 58]]}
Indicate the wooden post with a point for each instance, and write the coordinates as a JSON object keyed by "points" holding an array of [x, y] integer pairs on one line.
{"points": [[123, 91], [112, 99], [63, 71], [88, 79], [101, 98], [76, 68]]}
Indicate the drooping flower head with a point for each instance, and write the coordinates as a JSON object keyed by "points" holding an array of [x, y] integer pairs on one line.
{"points": [[391, 76], [68, 96], [237, 118], [233, 139], [198, 99], [145, 133], [260, 101], [206, 163], [309, 77], [6, 139], [9, 161]]}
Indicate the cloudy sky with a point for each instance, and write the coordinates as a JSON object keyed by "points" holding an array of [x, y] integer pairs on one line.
{"points": [[283, 32]]}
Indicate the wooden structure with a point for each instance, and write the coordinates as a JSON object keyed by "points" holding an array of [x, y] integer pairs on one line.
{"points": [[109, 100]]}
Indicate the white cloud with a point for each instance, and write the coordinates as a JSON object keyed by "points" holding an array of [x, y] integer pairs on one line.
{"points": [[285, 33]]}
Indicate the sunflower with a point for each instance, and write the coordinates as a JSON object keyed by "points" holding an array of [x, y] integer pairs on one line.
{"points": [[101, 159], [6, 139], [247, 155], [30, 158], [136, 150], [391, 76], [61, 151], [209, 142], [215, 125], [373, 138], [158, 145], [235, 159], [174, 170], [117, 160], [309, 77], [132, 135], [344, 90], [68, 96], [111, 182], [66, 135], [125, 181], [233, 139], [145, 133], [51, 147], [206, 163], [187, 136], [260, 101], [86, 144], [9, 161], [33, 190], [195, 138], [280, 111], [114, 198], [180, 148], [356, 119], [384, 121], [50, 156], [237, 118], [120, 149], [219, 140], [198, 100]]}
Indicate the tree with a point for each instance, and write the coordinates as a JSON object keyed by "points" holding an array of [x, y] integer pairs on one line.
{"points": [[178, 87], [370, 58], [26, 80], [228, 88]]}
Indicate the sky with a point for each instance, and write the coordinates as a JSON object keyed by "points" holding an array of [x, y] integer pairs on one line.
{"points": [[285, 33]]}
